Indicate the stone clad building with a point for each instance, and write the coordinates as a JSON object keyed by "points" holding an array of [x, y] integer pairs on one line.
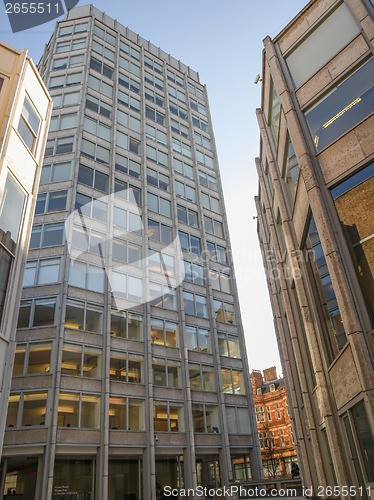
{"points": [[315, 225], [274, 424], [130, 371], [25, 108]]}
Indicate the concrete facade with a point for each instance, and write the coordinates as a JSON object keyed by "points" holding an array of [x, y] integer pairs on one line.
{"points": [[314, 206], [131, 371], [25, 108]]}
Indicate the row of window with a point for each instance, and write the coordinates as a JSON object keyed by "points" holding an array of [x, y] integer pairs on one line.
{"points": [[80, 360], [80, 410], [97, 179]]}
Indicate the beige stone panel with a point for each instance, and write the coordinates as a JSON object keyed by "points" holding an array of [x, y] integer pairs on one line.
{"points": [[36, 334], [80, 384], [344, 379], [236, 399], [313, 86], [204, 397], [298, 29], [37, 382], [368, 26], [166, 393], [365, 134], [78, 436], [127, 438], [125, 389], [208, 440], [83, 338], [352, 148], [25, 436], [171, 439], [358, 9], [242, 440], [348, 56]]}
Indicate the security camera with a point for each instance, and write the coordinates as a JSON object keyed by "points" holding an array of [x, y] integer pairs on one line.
{"points": [[257, 79]]}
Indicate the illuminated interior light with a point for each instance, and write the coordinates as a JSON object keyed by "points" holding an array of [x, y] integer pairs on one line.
{"points": [[338, 115]]}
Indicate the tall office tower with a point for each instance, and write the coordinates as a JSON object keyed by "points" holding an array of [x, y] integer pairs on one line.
{"points": [[315, 222], [25, 108], [131, 370]]}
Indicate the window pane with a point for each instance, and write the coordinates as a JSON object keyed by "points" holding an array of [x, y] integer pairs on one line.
{"points": [[136, 415], [135, 326], [231, 420], [11, 208], [117, 413], [94, 318], [44, 313], [74, 314], [68, 410], [189, 306], [208, 378], [13, 403], [49, 271], [91, 362], [226, 381], [342, 109], [171, 334], [39, 358], [90, 412], [34, 409], [19, 360], [71, 363]]}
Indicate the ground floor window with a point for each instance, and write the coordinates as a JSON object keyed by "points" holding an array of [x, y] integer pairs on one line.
{"points": [[361, 443], [20, 477], [74, 479], [125, 479], [288, 463], [271, 467], [169, 472], [241, 468], [208, 471]]}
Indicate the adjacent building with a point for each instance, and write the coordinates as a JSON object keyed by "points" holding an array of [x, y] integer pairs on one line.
{"points": [[315, 225], [274, 423], [130, 368], [25, 108]]}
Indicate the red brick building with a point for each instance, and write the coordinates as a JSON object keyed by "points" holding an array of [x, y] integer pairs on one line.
{"points": [[273, 422]]}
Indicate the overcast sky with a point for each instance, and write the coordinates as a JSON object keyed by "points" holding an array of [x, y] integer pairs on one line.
{"points": [[222, 40]]}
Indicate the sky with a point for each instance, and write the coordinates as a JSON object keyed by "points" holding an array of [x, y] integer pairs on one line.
{"points": [[222, 40]]}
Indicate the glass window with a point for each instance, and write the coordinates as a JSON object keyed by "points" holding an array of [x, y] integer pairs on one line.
{"points": [[344, 107], [44, 312], [34, 409], [327, 40], [28, 125], [274, 112], [39, 358], [353, 200], [75, 474], [12, 415], [336, 334], [291, 171], [11, 208]]}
